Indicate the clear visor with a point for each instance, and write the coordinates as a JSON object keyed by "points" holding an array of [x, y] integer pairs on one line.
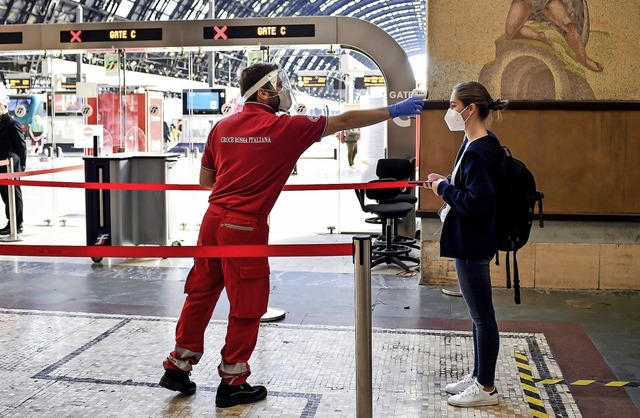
{"points": [[272, 78]]}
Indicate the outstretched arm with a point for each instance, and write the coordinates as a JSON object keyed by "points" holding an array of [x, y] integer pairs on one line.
{"points": [[359, 118]]}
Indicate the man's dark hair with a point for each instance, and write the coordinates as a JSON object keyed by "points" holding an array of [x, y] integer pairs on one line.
{"points": [[252, 74]]}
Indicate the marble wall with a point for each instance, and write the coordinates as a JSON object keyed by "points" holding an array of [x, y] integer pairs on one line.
{"points": [[536, 49]]}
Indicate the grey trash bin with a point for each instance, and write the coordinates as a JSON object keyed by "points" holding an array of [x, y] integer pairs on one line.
{"points": [[126, 217], [150, 209]]}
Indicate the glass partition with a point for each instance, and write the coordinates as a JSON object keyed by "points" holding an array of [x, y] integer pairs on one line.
{"points": [[167, 100]]}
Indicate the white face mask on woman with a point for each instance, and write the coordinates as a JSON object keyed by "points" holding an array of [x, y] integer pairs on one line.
{"points": [[454, 120]]}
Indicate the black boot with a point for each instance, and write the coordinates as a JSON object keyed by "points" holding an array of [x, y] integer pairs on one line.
{"points": [[7, 230], [231, 395], [179, 381]]}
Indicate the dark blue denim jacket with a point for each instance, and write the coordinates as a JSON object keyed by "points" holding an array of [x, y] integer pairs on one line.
{"points": [[469, 230]]}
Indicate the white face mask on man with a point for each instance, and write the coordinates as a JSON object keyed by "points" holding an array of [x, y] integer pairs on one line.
{"points": [[454, 120], [284, 97], [284, 94]]}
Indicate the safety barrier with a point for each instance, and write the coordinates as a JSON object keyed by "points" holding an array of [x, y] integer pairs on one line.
{"points": [[359, 249]]}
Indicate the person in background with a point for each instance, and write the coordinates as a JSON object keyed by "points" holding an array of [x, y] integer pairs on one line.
{"points": [[166, 135], [469, 231], [37, 135], [351, 138], [175, 132], [246, 162], [14, 146]]}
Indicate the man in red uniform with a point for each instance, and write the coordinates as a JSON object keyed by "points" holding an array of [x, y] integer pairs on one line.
{"points": [[246, 162]]}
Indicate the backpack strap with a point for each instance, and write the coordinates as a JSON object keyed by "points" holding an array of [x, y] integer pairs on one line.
{"points": [[516, 274], [508, 271], [539, 197], [516, 279]]}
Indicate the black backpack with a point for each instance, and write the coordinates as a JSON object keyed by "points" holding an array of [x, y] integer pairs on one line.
{"points": [[516, 204]]}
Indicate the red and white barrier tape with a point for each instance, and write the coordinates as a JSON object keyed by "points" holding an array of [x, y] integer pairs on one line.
{"points": [[158, 186], [229, 251], [38, 172], [298, 250]]}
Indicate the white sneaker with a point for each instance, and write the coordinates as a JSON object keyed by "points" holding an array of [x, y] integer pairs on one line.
{"points": [[462, 384], [474, 395]]}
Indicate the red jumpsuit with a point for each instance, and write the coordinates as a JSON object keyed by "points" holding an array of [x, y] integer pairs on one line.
{"points": [[252, 154]]}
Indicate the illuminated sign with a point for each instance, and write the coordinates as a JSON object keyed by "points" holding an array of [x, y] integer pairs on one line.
{"points": [[313, 81], [106, 35], [68, 84], [373, 80], [10, 38], [369, 81], [257, 32], [20, 83]]}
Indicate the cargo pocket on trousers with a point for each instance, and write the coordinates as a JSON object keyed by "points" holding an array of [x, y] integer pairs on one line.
{"points": [[253, 291]]}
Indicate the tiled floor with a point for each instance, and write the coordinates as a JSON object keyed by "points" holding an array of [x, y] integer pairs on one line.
{"points": [[72, 364], [84, 339]]}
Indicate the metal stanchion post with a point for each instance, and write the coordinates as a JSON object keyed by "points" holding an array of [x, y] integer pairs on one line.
{"points": [[362, 270], [272, 314], [11, 189]]}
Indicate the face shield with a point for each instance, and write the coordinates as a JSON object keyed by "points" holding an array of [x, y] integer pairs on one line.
{"points": [[284, 94], [4, 102]]}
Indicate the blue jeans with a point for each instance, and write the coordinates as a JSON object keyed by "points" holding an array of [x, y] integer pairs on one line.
{"points": [[475, 285]]}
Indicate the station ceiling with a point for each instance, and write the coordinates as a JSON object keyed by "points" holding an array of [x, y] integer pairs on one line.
{"points": [[404, 20]]}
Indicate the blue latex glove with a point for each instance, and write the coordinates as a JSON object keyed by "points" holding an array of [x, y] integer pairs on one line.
{"points": [[408, 107]]}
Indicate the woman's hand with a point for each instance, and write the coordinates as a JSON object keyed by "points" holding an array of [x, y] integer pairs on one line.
{"points": [[434, 180], [435, 176], [434, 186]]}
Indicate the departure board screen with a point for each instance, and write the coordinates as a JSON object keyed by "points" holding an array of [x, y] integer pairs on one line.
{"points": [[258, 32], [110, 35], [10, 38], [313, 80], [20, 83]]}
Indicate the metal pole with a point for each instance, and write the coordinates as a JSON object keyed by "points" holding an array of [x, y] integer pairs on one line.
{"points": [[12, 200], [11, 189], [212, 55], [123, 101], [79, 19], [362, 270]]}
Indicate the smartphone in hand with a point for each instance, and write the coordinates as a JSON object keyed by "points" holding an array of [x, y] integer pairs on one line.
{"points": [[421, 182]]}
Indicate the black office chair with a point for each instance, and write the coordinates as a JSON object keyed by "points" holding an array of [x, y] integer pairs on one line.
{"points": [[385, 250], [399, 169]]}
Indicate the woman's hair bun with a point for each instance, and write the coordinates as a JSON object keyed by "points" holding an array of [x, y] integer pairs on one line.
{"points": [[498, 104]]}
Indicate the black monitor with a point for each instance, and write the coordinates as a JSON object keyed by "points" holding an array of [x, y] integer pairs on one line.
{"points": [[202, 101]]}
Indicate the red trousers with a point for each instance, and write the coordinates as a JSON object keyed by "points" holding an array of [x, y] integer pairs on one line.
{"points": [[246, 281]]}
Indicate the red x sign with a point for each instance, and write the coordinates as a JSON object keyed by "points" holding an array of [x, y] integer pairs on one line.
{"points": [[220, 32], [75, 36]]}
